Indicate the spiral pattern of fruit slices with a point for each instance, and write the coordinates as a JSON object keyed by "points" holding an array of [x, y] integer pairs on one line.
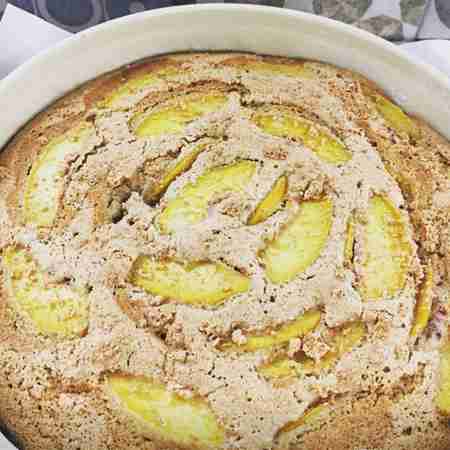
{"points": [[382, 234]]}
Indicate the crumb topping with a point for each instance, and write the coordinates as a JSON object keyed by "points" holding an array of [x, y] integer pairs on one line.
{"points": [[193, 242]]}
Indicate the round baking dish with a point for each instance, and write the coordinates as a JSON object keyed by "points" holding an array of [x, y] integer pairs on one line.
{"points": [[420, 89]]}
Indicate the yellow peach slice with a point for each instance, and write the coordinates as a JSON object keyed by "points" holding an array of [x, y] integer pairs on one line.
{"points": [[395, 116], [176, 114], [308, 418], [199, 284], [348, 337], [267, 67], [423, 303], [270, 203], [344, 341], [188, 423], [443, 396], [387, 252], [272, 68], [45, 183], [54, 309], [134, 85], [183, 165], [349, 242], [287, 124], [191, 204], [300, 243], [268, 340], [281, 368]]}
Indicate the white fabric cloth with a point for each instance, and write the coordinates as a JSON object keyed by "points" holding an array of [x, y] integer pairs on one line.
{"points": [[18, 45]]}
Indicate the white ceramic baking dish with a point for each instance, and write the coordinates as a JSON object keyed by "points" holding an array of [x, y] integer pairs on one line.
{"points": [[419, 88]]}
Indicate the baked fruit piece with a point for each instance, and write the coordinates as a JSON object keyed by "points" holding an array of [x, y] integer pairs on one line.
{"points": [[46, 180], [53, 308], [225, 251]]}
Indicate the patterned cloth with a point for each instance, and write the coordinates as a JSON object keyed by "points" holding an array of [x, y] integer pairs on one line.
{"points": [[437, 21], [2, 7], [396, 20]]}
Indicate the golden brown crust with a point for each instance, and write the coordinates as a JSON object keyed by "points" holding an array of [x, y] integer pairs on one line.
{"points": [[52, 389], [98, 90]]}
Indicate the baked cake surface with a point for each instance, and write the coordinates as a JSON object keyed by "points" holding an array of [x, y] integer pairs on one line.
{"points": [[225, 251]]}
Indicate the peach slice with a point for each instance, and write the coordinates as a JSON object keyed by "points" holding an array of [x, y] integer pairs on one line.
{"points": [[45, 183], [136, 84], [280, 368], [291, 70], [387, 252], [348, 337], [310, 416], [423, 303], [188, 423], [183, 165], [270, 203], [300, 242], [342, 342], [198, 284], [395, 116], [443, 396], [176, 114], [287, 124], [191, 204], [54, 309], [270, 67], [269, 340], [349, 242]]}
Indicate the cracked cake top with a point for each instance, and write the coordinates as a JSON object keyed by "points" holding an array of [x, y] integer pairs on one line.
{"points": [[225, 251]]}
